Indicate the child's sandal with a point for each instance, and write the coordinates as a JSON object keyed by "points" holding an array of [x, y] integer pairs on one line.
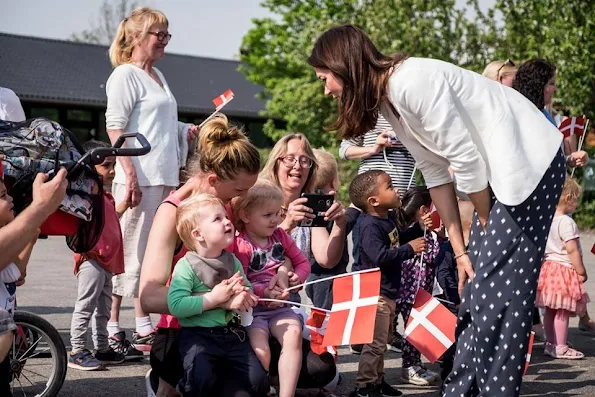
{"points": [[567, 353]]}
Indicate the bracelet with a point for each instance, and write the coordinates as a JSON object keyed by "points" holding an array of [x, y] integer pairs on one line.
{"points": [[461, 255]]}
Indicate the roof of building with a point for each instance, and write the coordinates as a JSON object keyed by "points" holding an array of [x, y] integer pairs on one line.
{"points": [[57, 71]]}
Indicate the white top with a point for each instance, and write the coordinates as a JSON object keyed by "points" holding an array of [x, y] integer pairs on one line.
{"points": [[8, 288], [10, 106], [137, 103], [485, 131], [563, 229]]}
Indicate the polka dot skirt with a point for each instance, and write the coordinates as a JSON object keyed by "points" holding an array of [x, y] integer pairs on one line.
{"points": [[495, 316]]}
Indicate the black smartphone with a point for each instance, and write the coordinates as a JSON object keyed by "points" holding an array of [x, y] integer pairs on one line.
{"points": [[319, 203]]}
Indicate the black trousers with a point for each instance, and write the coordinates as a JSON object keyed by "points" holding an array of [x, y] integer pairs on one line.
{"points": [[5, 377], [220, 361], [496, 312]]}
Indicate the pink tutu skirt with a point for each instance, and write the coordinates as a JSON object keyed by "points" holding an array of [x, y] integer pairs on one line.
{"points": [[560, 288]]}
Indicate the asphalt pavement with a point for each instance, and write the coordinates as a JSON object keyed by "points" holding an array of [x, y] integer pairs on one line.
{"points": [[50, 291]]}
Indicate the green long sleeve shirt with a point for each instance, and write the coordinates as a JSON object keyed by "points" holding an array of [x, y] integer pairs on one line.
{"points": [[187, 307]]}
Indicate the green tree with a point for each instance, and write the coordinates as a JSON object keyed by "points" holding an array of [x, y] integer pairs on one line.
{"points": [[102, 30], [274, 52]]}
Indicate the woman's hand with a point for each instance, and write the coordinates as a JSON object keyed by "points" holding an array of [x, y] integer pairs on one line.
{"points": [[426, 221], [275, 293], [383, 140], [297, 212], [465, 269], [294, 280], [578, 159], [133, 192], [193, 131], [336, 212]]}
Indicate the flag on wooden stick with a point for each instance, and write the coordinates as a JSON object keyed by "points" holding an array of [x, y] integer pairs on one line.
{"points": [[431, 326], [355, 301], [316, 324], [528, 360], [223, 99], [572, 126]]}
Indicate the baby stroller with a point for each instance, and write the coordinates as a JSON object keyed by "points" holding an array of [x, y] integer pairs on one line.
{"points": [[38, 358], [40, 145]]}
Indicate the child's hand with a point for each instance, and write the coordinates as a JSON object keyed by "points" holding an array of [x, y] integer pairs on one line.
{"points": [[294, 280], [242, 301], [275, 293], [418, 245], [281, 279], [426, 221], [223, 291]]}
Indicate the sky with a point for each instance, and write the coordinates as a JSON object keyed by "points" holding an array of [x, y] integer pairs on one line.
{"points": [[209, 28]]}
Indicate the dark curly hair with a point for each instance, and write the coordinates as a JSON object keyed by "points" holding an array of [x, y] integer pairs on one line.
{"points": [[531, 79], [362, 187]]}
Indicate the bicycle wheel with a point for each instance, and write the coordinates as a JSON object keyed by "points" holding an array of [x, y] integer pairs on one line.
{"points": [[37, 358]]}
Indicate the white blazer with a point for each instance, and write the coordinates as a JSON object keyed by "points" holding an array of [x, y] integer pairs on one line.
{"points": [[485, 131]]}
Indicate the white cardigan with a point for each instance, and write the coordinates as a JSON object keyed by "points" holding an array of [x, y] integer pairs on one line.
{"points": [[485, 131]]}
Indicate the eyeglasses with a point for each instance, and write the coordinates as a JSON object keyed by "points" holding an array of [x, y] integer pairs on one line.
{"points": [[290, 161], [507, 63], [161, 36]]}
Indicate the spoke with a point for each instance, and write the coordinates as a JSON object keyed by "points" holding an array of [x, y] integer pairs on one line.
{"points": [[31, 347], [23, 358], [32, 384], [21, 386], [14, 349], [33, 372]]}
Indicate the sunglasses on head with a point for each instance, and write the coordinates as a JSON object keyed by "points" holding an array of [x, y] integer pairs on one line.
{"points": [[508, 62]]}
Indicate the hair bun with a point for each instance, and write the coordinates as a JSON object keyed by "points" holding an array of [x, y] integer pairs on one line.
{"points": [[218, 131]]}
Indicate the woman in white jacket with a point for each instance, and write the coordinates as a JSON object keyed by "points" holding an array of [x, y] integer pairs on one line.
{"points": [[507, 159]]}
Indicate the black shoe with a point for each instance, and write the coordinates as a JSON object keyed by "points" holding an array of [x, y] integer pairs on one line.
{"points": [[120, 344], [356, 349], [396, 341], [388, 390], [369, 391], [109, 357]]}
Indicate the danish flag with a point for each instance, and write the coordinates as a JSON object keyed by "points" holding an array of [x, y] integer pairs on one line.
{"points": [[316, 324], [430, 327], [572, 126], [355, 301], [528, 361], [223, 99], [436, 221]]}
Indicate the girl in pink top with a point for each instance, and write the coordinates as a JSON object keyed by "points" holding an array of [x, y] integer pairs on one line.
{"points": [[261, 247]]}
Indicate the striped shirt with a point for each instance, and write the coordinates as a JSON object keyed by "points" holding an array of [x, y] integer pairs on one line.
{"points": [[396, 161]]}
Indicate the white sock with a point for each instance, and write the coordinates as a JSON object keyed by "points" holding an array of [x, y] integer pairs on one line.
{"points": [[143, 325], [113, 327]]}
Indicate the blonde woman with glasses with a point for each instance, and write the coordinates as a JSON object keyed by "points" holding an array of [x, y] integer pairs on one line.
{"points": [[501, 71], [140, 100]]}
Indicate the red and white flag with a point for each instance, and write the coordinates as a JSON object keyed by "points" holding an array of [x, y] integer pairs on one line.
{"points": [[572, 126], [355, 301], [528, 361], [430, 327], [436, 221], [223, 99], [316, 324]]}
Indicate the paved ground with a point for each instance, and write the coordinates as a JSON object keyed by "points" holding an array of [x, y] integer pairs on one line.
{"points": [[50, 291]]}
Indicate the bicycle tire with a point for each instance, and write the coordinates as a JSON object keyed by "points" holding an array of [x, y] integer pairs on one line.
{"points": [[27, 318]]}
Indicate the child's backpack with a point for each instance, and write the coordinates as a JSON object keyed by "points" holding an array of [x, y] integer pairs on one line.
{"points": [[40, 145]]}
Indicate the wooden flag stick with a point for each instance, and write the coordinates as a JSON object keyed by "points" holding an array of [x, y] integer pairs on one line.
{"points": [[293, 303], [580, 142], [330, 278]]}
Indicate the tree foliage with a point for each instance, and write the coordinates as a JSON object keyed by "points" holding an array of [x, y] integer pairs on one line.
{"points": [[104, 28], [274, 51]]}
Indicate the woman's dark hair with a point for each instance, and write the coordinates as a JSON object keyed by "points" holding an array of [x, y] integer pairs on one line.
{"points": [[531, 79], [350, 55], [411, 202]]}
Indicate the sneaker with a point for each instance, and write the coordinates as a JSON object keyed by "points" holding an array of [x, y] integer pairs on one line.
{"points": [[272, 392], [389, 390], [143, 343], [434, 375], [356, 349], [110, 356], [416, 375], [84, 361], [148, 385], [396, 343], [369, 391], [120, 344]]}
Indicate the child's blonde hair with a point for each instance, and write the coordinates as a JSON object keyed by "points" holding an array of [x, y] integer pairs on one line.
{"points": [[189, 213], [571, 191], [262, 192], [327, 171]]}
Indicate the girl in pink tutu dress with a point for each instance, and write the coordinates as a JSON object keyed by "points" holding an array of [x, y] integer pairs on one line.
{"points": [[560, 289]]}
